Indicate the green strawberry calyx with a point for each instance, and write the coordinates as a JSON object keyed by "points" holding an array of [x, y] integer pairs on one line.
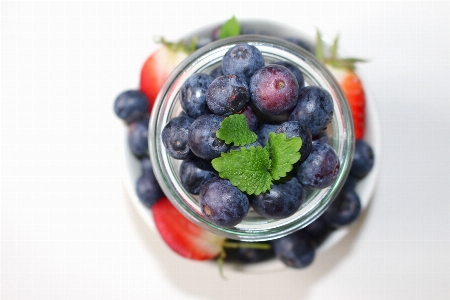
{"points": [[180, 46], [333, 59]]}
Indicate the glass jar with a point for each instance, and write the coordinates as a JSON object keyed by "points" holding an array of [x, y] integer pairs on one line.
{"points": [[167, 106]]}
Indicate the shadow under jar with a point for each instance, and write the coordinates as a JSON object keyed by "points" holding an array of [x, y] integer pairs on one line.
{"points": [[167, 106]]}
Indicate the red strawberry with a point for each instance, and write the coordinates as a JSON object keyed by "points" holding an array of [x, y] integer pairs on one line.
{"points": [[344, 71], [183, 236], [159, 65], [354, 91]]}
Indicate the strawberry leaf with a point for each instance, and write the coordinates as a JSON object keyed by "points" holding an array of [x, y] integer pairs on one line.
{"points": [[247, 169], [234, 129], [284, 153], [230, 28], [334, 48], [332, 58], [319, 46]]}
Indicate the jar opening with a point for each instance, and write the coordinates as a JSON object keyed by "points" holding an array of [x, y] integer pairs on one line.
{"points": [[167, 106]]}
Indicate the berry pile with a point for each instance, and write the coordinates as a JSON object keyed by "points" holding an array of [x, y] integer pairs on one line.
{"points": [[246, 87], [268, 170]]}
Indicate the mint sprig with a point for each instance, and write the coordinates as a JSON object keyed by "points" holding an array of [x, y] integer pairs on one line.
{"points": [[253, 169], [284, 153], [247, 169], [234, 129]]}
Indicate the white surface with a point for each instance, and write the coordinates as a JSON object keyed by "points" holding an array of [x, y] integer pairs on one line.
{"points": [[68, 230]]}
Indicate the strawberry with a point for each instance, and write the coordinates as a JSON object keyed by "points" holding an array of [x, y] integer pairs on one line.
{"points": [[182, 236], [160, 64], [343, 70]]}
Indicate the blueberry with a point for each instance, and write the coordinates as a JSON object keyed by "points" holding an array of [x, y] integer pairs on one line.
{"points": [[216, 72], [242, 60], [195, 172], [363, 159], [244, 254], [295, 70], [175, 137], [254, 144], [263, 132], [350, 182], [227, 94], [321, 137], [295, 250], [250, 116], [295, 129], [146, 165], [314, 109], [202, 139], [131, 105], [281, 201], [147, 187], [344, 210], [138, 137], [222, 203], [318, 230], [193, 94], [274, 90], [321, 167]]}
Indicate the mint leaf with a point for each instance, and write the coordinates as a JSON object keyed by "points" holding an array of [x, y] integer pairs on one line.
{"points": [[230, 28], [234, 129], [247, 169], [283, 152]]}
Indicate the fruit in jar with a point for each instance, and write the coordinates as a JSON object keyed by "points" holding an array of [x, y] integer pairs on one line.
{"points": [[227, 94], [294, 69], [314, 109], [242, 60], [222, 203], [195, 172], [255, 164], [281, 201], [295, 129], [321, 167], [202, 139], [175, 137], [193, 94], [274, 89]]}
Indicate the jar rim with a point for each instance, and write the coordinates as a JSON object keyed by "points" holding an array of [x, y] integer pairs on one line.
{"points": [[165, 107]]}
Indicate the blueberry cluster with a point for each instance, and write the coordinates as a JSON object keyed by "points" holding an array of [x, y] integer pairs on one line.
{"points": [[273, 98], [132, 107]]}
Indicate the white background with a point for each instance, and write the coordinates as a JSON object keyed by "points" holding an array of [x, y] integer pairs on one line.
{"points": [[68, 229]]}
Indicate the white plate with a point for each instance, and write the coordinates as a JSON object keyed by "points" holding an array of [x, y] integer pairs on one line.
{"points": [[365, 188]]}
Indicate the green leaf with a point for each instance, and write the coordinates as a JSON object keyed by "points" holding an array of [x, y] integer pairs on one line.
{"points": [[234, 129], [284, 153], [247, 169], [230, 28], [334, 48]]}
